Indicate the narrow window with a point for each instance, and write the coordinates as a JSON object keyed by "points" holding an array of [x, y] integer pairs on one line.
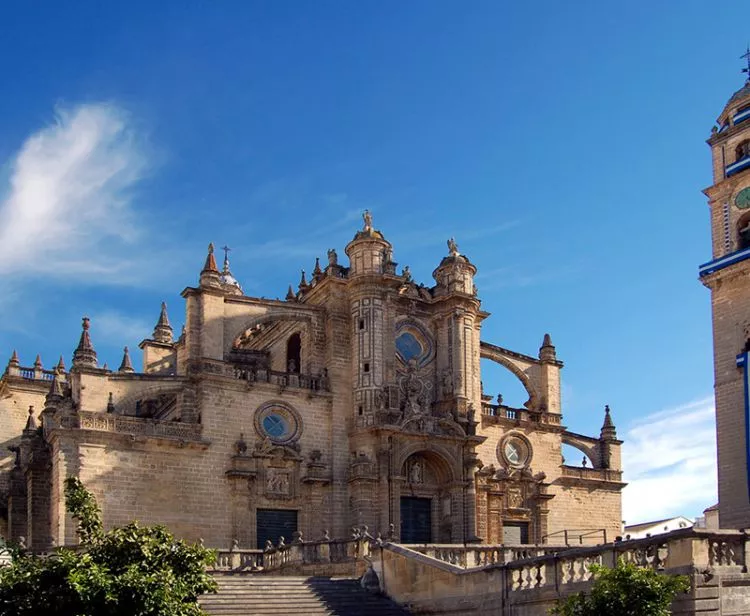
{"points": [[361, 324], [293, 353], [367, 367], [360, 410]]}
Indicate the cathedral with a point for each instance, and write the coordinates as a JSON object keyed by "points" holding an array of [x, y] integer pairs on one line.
{"points": [[355, 401]]}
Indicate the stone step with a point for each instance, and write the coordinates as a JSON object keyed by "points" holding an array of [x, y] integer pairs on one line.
{"points": [[263, 595]]}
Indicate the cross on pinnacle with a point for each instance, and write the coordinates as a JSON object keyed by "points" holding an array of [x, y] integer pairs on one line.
{"points": [[746, 56], [226, 249]]}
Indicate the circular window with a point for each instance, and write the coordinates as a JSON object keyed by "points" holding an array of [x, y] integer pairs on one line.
{"points": [[515, 451], [277, 421], [413, 343]]}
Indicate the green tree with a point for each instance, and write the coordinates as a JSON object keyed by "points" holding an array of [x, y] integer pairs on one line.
{"points": [[129, 571], [626, 590]]}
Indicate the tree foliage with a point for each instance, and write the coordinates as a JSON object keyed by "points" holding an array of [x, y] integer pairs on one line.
{"points": [[129, 571], [626, 590]]}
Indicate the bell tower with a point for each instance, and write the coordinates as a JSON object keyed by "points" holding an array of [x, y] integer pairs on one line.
{"points": [[727, 275]]}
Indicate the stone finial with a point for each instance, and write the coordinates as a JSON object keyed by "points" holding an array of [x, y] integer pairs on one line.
{"points": [[290, 296], [210, 265], [367, 219], [210, 273], [85, 356], [453, 248], [60, 364], [14, 365], [110, 403], [303, 281], [547, 350], [126, 365], [38, 362], [609, 431], [316, 269], [31, 424], [333, 258], [163, 330]]}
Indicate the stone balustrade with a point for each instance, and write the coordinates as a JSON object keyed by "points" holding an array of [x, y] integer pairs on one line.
{"points": [[134, 426], [476, 555], [319, 383], [296, 553], [492, 580], [496, 412]]}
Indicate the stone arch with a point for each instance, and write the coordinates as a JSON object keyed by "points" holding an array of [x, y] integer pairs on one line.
{"points": [[587, 446], [240, 325], [439, 457], [495, 354], [129, 400]]}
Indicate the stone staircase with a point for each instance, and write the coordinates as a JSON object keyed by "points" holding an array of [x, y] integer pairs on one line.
{"points": [[267, 595]]}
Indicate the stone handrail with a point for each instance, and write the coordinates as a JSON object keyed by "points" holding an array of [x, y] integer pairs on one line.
{"points": [[141, 426], [500, 411], [581, 472], [533, 585], [263, 375], [681, 550], [476, 555], [297, 552]]}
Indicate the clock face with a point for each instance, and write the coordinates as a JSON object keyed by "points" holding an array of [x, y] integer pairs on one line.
{"points": [[742, 200]]}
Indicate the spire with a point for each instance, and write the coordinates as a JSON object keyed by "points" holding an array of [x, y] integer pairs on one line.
{"points": [[609, 432], [126, 365], [547, 350], [302, 282], [210, 273], [290, 296], [60, 364], [14, 365], [226, 275], [316, 270], [38, 362], [85, 356], [163, 330], [210, 265]]}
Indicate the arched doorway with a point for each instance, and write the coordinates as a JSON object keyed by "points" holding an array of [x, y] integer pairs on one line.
{"points": [[429, 503]]}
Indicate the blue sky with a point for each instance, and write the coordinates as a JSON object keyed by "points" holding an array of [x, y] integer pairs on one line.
{"points": [[562, 144]]}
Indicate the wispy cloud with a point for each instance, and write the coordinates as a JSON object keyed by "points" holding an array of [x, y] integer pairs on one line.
{"points": [[69, 195], [669, 459], [116, 328]]}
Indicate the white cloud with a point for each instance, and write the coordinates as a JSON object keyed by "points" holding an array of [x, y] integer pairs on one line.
{"points": [[66, 210], [116, 328], [669, 459]]}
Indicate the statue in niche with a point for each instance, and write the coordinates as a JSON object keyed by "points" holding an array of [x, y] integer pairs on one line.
{"points": [[367, 218], [416, 471], [452, 248], [333, 258], [447, 383], [381, 396], [291, 366]]}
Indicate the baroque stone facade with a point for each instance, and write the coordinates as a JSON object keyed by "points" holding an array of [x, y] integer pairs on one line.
{"points": [[355, 401]]}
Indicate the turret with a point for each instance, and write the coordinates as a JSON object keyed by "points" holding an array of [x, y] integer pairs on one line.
{"points": [[159, 356], [549, 371], [455, 274], [609, 446], [369, 251]]}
